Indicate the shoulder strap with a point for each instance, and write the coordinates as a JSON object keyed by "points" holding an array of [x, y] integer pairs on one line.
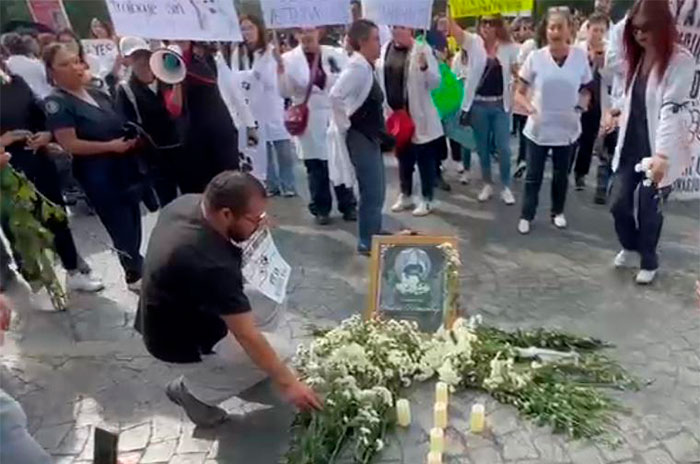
{"points": [[132, 99], [312, 76]]}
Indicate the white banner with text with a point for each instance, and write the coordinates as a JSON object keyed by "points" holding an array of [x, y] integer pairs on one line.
{"points": [[280, 14], [416, 14]]}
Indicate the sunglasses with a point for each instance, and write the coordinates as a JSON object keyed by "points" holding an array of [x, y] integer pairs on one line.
{"points": [[489, 22]]}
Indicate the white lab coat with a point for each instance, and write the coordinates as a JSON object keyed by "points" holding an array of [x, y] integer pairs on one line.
{"points": [[665, 124], [615, 63], [293, 83], [419, 84], [260, 86], [507, 55]]}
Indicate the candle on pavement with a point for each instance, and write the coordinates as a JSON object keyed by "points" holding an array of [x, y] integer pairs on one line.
{"points": [[437, 440], [477, 418], [441, 392], [403, 412], [440, 415], [434, 458]]}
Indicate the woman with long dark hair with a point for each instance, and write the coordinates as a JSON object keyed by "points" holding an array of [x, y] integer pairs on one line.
{"points": [[257, 68], [86, 124], [659, 73], [493, 59]]}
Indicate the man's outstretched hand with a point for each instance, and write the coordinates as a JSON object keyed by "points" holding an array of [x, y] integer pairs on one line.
{"points": [[301, 395]]}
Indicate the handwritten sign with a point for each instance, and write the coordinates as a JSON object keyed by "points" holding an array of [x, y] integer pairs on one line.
{"points": [[176, 19], [464, 8], [687, 187], [279, 14], [101, 55], [407, 13]]}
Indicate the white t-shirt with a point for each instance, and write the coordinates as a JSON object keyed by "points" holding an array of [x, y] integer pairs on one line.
{"points": [[555, 96], [32, 71]]}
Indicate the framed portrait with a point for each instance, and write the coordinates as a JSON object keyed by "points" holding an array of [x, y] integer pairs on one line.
{"points": [[408, 280]]}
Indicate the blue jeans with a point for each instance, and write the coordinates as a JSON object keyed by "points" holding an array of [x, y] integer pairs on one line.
{"points": [[366, 157], [491, 117], [280, 167], [18, 446]]}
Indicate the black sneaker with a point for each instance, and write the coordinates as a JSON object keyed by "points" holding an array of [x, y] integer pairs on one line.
{"points": [[600, 198], [350, 216], [322, 220], [202, 414], [580, 183], [442, 185]]}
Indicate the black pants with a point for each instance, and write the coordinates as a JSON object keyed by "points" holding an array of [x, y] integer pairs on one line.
{"points": [[424, 155], [519, 121], [41, 170], [605, 152], [208, 151], [320, 190], [590, 126], [641, 235], [537, 156], [163, 173]]}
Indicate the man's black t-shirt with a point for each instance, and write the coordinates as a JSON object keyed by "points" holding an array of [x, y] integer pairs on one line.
{"points": [[191, 277]]}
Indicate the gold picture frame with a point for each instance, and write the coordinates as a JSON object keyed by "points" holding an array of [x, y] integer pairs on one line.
{"points": [[428, 294]]}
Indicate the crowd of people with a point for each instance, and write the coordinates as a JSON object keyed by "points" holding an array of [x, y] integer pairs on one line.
{"points": [[229, 132]]}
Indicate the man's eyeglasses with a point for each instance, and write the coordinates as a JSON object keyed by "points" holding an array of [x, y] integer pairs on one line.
{"points": [[256, 220]]}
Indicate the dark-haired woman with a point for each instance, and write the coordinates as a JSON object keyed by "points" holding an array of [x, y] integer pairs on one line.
{"points": [[257, 70], [86, 125], [658, 80]]}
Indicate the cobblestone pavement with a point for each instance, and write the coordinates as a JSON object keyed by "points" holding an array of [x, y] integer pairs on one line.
{"points": [[84, 368]]}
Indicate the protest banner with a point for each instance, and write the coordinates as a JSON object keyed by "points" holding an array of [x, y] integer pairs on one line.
{"points": [[409, 13], [465, 8], [100, 55], [687, 15], [264, 268], [281, 14], [176, 19]]}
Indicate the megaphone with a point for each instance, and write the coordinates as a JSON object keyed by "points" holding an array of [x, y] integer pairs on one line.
{"points": [[168, 65]]}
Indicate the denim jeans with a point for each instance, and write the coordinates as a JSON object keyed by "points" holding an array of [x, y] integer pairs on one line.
{"points": [[640, 234], [17, 445], [460, 153], [536, 158], [320, 190], [113, 188], [490, 117], [280, 167], [366, 157]]}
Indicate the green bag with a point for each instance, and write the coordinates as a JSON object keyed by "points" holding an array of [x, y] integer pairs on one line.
{"points": [[448, 97]]}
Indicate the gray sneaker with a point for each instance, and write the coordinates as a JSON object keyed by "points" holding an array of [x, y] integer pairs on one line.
{"points": [[200, 413]]}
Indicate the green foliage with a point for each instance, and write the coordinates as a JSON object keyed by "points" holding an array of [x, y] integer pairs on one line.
{"points": [[26, 208]]}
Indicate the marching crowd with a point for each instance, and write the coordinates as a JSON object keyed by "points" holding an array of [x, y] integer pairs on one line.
{"points": [[177, 118]]}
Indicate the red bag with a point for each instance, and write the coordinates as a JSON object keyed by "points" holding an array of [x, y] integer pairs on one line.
{"points": [[296, 117], [400, 125]]}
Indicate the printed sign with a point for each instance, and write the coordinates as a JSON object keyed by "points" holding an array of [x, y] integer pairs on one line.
{"points": [[264, 268], [176, 19], [280, 14], [464, 8], [100, 55], [687, 15], [408, 13]]}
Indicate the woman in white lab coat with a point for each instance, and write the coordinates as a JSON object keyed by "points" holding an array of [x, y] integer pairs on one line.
{"points": [[255, 66], [407, 71], [659, 74], [294, 71]]}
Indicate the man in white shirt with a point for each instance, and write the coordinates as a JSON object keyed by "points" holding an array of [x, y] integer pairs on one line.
{"points": [[22, 63]]}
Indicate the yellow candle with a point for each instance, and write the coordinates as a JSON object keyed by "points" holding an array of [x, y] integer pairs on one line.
{"points": [[440, 415], [437, 440], [403, 412], [477, 418], [441, 392], [434, 458]]}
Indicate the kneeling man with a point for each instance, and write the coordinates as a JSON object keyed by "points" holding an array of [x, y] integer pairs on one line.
{"points": [[193, 313]]}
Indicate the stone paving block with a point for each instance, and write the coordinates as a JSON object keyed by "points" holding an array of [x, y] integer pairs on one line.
{"points": [[661, 426], [191, 444], [639, 439], [502, 421], [130, 457], [189, 458], [619, 453], [51, 437], [159, 452], [75, 440], [657, 456], [485, 455], [518, 446], [585, 454], [135, 438], [166, 428], [64, 459], [683, 447], [550, 449]]}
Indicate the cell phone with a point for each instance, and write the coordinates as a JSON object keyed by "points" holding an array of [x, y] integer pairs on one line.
{"points": [[105, 447]]}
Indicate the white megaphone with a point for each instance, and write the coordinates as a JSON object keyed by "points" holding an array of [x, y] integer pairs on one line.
{"points": [[167, 65]]}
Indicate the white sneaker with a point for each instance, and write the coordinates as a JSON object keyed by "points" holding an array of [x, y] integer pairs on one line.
{"points": [[559, 221], [423, 209], [486, 193], [135, 286], [465, 178], [645, 277], [626, 259], [507, 196], [460, 167], [524, 226], [402, 203], [79, 282]]}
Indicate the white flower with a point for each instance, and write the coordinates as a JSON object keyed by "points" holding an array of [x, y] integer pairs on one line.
{"points": [[448, 374], [378, 444]]}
